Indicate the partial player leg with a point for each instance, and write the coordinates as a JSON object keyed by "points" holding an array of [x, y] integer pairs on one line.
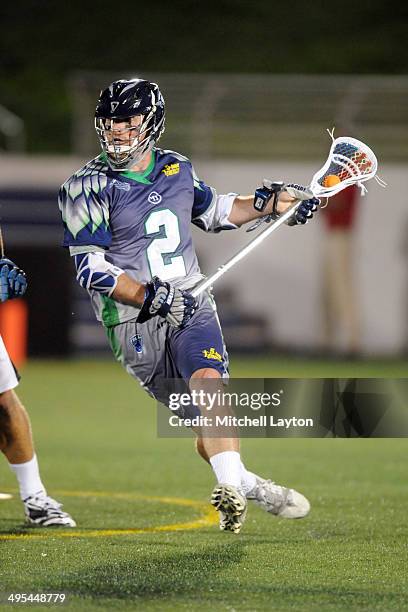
{"points": [[15, 430], [17, 445]]}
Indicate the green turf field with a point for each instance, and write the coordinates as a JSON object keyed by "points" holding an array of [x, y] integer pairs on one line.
{"points": [[146, 537]]}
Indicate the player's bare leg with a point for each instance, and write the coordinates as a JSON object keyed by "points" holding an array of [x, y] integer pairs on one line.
{"points": [[15, 430], [16, 443], [209, 445]]}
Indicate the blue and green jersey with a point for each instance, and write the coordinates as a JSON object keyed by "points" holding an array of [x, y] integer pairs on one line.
{"points": [[142, 221]]}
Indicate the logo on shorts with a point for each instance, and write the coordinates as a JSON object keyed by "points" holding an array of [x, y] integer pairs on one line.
{"points": [[170, 169], [137, 342], [154, 198], [212, 354]]}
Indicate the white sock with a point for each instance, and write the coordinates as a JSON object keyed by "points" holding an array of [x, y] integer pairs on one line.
{"points": [[227, 468], [28, 477], [248, 479]]}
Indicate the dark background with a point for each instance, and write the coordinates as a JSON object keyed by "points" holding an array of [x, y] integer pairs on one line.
{"points": [[43, 43]]}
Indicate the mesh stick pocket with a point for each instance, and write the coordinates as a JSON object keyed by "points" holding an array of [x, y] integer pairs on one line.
{"points": [[350, 162]]}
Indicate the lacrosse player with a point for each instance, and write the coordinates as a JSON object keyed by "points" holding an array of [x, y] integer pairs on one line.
{"points": [[127, 216], [15, 430]]}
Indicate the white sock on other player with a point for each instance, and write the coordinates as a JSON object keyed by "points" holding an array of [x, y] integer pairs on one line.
{"points": [[248, 480], [227, 468], [28, 477]]}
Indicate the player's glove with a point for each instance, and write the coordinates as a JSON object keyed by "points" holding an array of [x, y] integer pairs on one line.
{"points": [[164, 300], [305, 210], [13, 282]]}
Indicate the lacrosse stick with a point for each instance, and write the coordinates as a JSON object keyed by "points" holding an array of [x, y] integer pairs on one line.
{"points": [[350, 162], [295, 193], [1, 244]]}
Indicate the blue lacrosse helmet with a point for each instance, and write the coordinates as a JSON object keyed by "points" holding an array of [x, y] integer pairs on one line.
{"points": [[129, 120]]}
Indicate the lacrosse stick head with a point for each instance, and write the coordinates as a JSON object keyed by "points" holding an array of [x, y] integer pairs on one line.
{"points": [[350, 162]]}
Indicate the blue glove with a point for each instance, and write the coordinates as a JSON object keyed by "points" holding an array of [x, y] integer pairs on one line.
{"points": [[305, 210], [13, 282]]}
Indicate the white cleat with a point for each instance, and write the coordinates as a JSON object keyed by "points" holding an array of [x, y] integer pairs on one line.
{"points": [[44, 511], [277, 500], [231, 505]]}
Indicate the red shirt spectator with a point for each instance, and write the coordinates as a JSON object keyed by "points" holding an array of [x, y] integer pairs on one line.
{"points": [[340, 212]]}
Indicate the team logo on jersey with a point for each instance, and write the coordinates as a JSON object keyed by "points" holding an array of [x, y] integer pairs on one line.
{"points": [[170, 169], [119, 185], [212, 354], [154, 198]]}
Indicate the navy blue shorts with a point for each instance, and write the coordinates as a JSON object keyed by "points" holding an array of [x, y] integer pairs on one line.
{"points": [[154, 351], [200, 344]]}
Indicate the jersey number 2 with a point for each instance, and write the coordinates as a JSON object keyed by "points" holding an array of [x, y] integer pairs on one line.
{"points": [[160, 256]]}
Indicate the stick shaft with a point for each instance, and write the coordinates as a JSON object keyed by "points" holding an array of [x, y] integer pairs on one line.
{"points": [[204, 284], [1, 244]]}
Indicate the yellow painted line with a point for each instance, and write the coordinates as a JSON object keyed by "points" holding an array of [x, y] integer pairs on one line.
{"points": [[207, 518]]}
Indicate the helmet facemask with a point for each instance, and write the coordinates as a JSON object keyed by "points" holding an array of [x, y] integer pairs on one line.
{"points": [[128, 144]]}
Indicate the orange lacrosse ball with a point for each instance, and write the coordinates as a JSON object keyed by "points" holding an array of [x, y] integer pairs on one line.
{"points": [[331, 180]]}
